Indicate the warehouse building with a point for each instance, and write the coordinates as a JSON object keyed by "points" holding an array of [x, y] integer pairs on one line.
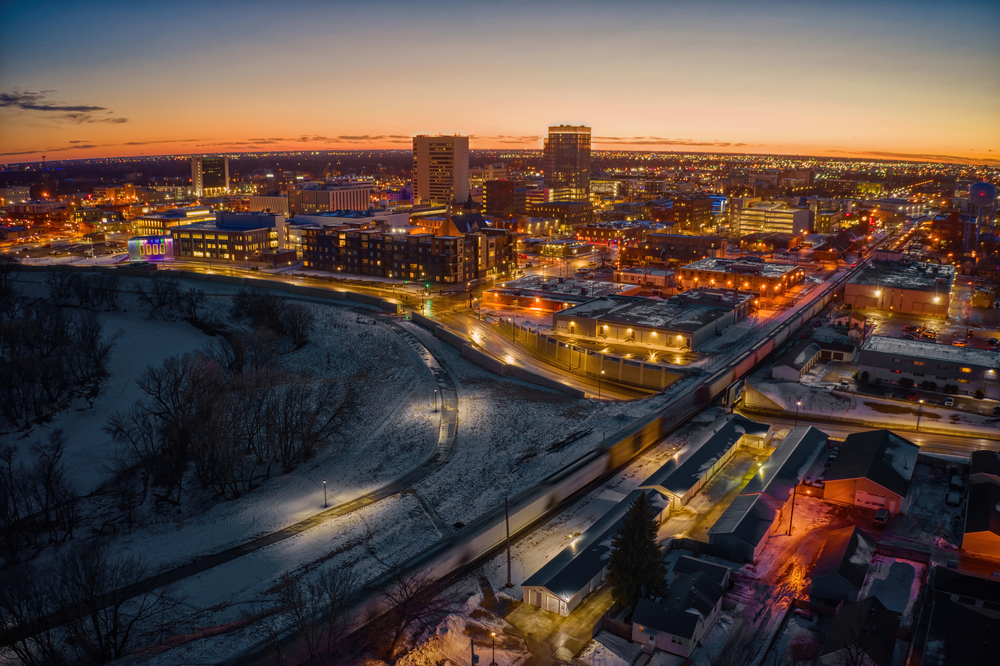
{"points": [[873, 470], [907, 287], [885, 360], [684, 321]]}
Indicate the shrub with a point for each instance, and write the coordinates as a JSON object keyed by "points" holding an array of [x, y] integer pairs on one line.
{"points": [[980, 394]]}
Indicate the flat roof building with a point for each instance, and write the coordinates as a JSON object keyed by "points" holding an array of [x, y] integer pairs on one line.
{"points": [[566, 155], [548, 293], [440, 169], [904, 287], [749, 274], [160, 224], [684, 321], [772, 216], [885, 360], [310, 197]]}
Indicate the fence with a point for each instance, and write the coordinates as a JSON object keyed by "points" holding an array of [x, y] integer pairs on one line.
{"points": [[700, 547], [903, 553], [607, 623]]}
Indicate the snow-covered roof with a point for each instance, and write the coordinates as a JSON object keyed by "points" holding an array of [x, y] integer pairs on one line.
{"points": [[847, 553], [878, 455], [800, 355], [748, 518], [876, 623], [662, 618], [917, 276], [788, 464], [744, 266], [933, 351], [677, 478], [578, 563], [676, 314]]}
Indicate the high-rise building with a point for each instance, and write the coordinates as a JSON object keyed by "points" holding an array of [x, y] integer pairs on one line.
{"points": [[505, 198], [440, 169], [209, 176], [567, 162]]}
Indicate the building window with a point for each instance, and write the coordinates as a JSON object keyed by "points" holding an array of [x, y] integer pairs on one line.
{"points": [[966, 369], [919, 363]]}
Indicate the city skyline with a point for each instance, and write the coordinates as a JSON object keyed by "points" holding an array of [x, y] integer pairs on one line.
{"points": [[911, 81]]}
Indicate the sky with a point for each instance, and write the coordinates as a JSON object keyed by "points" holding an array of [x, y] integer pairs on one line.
{"points": [[897, 80]]}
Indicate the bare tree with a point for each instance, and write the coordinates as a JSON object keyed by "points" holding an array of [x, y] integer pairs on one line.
{"points": [[412, 602], [298, 321], [106, 290], [319, 610], [26, 599]]}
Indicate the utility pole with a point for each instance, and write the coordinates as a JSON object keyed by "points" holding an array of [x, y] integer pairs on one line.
{"points": [[472, 646], [791, 516], [506, 516]]}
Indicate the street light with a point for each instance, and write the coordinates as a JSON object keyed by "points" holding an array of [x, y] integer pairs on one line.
{"points": [[599, 383], [435, 400], [798, 403], [494, 635], [324, 494], [920, 411]]}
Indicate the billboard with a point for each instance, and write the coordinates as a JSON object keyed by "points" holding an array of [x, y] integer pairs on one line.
{"points": [[150, 248]]}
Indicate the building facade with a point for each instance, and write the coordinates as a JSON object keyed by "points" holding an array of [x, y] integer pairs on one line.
{"points": [[440, 169], [311, 197], [747, 274], [567, 161], [906, 287], [772, 216], [505, 198], [894, 361], [209, 176], [160, 224]]}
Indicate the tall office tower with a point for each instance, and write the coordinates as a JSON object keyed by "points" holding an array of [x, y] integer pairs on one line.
{"points": [[440, 169], [209, 176], [567, 162]]}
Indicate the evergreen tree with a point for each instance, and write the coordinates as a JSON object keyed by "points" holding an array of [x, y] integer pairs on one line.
{"points": [[636, 569]]}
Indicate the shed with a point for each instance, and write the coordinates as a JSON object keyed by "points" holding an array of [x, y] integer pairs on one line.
{"points": [[873, 470], [580, 567], [797, 361], [746, 525], [678, 481], [842, 566]]}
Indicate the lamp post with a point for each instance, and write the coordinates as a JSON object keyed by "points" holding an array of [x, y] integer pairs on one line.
{"points": [[494, 635], [599, 383], [513, 331], [798, 403], [324, 494], [435, 400], [920, 411]]}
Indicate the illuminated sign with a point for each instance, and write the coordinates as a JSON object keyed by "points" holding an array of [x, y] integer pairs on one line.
{"points": [[150, 248]]}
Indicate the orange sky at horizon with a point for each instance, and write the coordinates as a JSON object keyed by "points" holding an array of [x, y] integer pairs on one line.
{"points": [[884, 80]]}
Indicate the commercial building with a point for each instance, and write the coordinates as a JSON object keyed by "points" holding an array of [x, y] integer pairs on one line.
{"points": [[746, 526], [570, 214], [678, 482], [209, 176], [652, 277], [271, 203], [232, 237], [685, 213], [552, 293], [842, 566], [611, 233], [797, 361], [906, 287], [772, 216], [661, 250], [479, 176], [310, 197], [580, 567], [505, 198], [566, 155], [684, 321], [750, 274], [898, 362], [14, 194], [160, 224], [873, 470], [440, 169]]}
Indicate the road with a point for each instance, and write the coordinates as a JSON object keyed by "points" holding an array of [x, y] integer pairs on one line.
{"points": [[930, 443]]}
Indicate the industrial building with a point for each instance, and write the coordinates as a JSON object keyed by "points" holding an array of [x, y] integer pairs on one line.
{"points": [[685, 321], [750, 274], [549, 293], [906, 287], [885, 360]]}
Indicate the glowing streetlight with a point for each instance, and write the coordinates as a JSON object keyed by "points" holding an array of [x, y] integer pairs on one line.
{"points": [[798, 403], [324, 494]]}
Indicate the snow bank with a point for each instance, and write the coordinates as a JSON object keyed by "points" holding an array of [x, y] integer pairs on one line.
{"points": [[609, 650]]}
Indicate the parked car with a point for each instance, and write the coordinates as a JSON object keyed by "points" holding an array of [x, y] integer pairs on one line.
{"points": [[881, 517], [949, 402], [930, 335], [993, 342], [996, 411], [912, 329], [844, 385], [910, 336], [912, 395], [959, 343], [969, 334], [888, 393]]}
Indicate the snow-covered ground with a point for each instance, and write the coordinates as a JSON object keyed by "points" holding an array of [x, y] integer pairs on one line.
{"points": [[609, 650], [897, 584]]}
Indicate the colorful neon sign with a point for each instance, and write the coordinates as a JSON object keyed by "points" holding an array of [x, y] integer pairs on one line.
{"points": [[151, 248]]}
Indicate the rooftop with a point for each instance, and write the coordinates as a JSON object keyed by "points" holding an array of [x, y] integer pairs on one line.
{"points": [[875, 623], [689, 565], [672, 314], [677, 478], [788, 464], [917, 276], [749, 518], [878, 455], [932, 351], [744, 266], [799, 356], [552, 286], [982, 514], [847, 553]]}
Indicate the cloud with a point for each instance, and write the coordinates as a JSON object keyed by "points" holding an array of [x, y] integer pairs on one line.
{"points": [[662, 141], [919, 157], [27, 100], [81, 141]]}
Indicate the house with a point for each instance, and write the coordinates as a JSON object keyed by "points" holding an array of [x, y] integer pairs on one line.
{"points": [[835, 351], [686, 565], [850, 319], [580, 567], [679, 621], [964, 626], [678, 481], [873, 470], [753, 517], [842, 566], [863, 632], [797, 361]]}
